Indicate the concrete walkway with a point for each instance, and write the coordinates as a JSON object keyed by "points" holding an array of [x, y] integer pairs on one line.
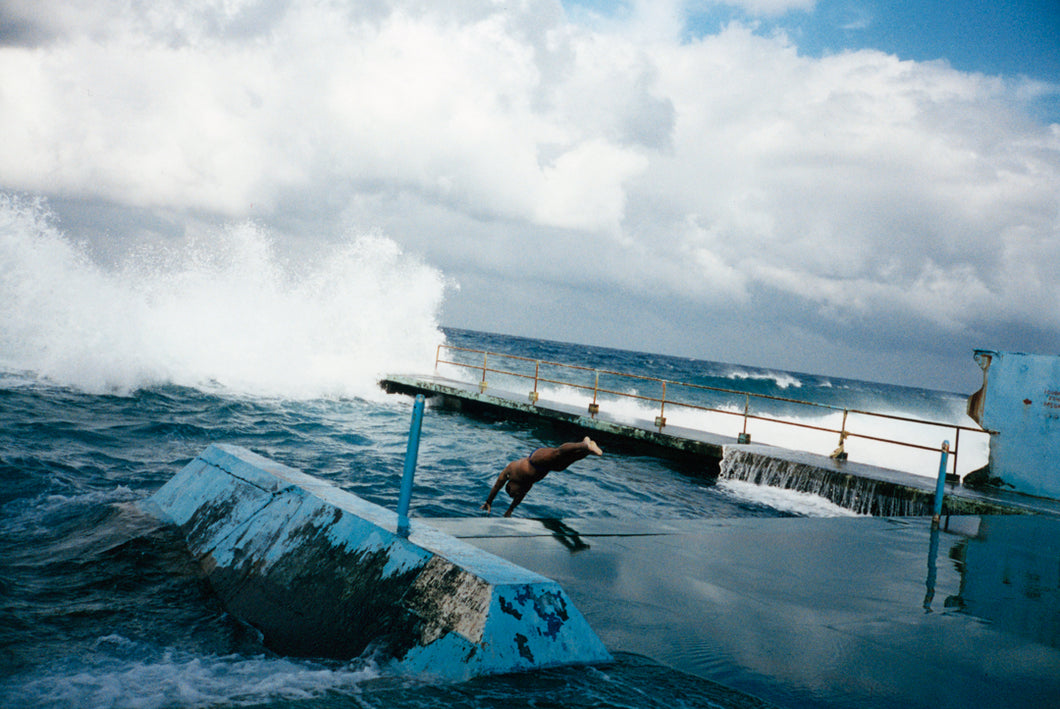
{"points": [[838, 612], [915, 491]]}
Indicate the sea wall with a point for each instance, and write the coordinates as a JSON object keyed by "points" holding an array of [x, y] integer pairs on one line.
{"points": [[323, 573], [859, 494], [860, 488]]}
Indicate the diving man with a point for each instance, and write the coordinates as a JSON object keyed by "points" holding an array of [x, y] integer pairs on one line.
{"points": [[520, 475]]}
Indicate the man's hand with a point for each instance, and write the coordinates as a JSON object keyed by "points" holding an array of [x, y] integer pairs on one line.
{"points": [[486, 506]]}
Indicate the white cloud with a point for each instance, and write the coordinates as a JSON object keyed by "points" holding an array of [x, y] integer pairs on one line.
{"points": [[456, 110], [768, 8], [859, 182], [715, 173]]}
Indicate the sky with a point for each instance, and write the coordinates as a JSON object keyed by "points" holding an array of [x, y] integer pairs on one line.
{"points": [[859, 188]]}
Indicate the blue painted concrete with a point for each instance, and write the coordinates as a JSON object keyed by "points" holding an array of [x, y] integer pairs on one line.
{"points": [[322, 572], [1020, 404]]}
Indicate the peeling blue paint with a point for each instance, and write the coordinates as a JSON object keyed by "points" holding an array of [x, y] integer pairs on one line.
{"points": [[552, 610], [524, 649], [510, 609], [322, 572], [1019, 404]]}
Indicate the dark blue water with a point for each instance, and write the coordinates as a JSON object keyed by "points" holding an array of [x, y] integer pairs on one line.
{"points": [[100, 606], [812, 388]]}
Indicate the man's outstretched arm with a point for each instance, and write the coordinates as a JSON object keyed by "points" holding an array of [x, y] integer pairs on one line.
{"points": [[515, 503], [488, 505]]}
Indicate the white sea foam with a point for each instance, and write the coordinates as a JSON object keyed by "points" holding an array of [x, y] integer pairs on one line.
{"points": [[783, 380], [124, 673], [219, 310], [801, 503]]}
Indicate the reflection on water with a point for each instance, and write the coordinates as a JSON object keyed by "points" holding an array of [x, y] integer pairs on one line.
{"points": [[932, 569], [1009, 570], [566, 535], [957, 555], [837, 613]]}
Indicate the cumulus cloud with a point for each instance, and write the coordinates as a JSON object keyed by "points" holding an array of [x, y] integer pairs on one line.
{"points": [[858, 183], [458, 108], [510, 142]]}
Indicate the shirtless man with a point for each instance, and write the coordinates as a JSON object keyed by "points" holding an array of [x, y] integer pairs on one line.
{"points": [[520, 475]]}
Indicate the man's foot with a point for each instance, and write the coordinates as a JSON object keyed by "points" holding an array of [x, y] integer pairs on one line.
{"points": [[593, 448]]}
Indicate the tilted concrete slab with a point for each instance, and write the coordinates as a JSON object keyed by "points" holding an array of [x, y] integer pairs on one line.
{"points": [[324, 573]]}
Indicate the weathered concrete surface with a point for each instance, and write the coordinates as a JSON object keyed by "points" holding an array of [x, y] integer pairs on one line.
{"points": [[324, 573], [1019, 404]]}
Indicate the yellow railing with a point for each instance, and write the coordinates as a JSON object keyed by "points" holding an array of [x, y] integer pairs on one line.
{"points": [[487, 367]]}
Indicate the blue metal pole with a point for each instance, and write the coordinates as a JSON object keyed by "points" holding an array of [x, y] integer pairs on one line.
{"points": [[411, 453], [940, 486]]}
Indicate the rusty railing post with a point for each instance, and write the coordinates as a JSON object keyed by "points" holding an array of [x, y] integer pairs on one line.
{"points": [[594, 408], [956, 443], [744, 436], [840, 453], [537, 371], [660, 420]]}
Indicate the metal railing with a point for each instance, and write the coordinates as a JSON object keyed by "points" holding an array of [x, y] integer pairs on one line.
{"points": [[664, 400]]}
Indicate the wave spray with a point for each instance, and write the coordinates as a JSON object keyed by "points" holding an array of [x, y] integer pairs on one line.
{"points": [[220, 311]]}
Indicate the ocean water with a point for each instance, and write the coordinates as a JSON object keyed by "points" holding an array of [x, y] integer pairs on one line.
{"points": [[112, 378]]}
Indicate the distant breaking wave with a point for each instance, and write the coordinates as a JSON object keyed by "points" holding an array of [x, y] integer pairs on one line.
{"points": [[219, 311], [783, 380]]}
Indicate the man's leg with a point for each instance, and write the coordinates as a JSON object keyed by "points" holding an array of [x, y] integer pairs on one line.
{"points": [[560, 458]]}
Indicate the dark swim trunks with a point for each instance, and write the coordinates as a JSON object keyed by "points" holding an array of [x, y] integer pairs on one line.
{"points": [[535, 466]]}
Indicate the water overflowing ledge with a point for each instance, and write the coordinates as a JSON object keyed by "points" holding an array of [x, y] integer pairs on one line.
{"points": [[863, 489]]}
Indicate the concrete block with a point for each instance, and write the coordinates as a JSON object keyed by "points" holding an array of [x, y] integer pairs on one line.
{"points": [[324, 573], [1019, 404]]}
